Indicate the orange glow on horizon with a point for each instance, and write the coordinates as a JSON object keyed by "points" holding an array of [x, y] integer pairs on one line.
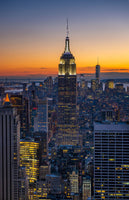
{"points": [[42, 71], [41, 60]]}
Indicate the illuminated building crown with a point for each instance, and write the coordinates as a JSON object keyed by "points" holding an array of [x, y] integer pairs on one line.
{"points": [[67, 54], [67, 64], [7, 101]]}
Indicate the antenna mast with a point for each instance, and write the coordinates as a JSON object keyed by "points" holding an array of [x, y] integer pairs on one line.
{"points": [[67, 29], [97, 60]]}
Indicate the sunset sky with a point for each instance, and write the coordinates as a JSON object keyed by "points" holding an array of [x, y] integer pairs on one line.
{"points": [[32, 35]]}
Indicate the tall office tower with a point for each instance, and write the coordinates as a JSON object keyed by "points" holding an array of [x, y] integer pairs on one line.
{"points": [[98, 72], [25, 130], [9, 151], [41, 120], [52, 118], [22, 184], [74, 181], [67, 119], [33, 111], [29, 158], [25, 90], [111, 161], [86, 187], [17, 102], [42, 138], [44, 169], [48, 84]]}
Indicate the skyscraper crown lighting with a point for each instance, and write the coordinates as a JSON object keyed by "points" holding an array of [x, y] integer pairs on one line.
{"points": [[67, 64], [67, 53], [7, 101]]}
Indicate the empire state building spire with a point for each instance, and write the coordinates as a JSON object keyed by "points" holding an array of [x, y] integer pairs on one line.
{"points": [[67, 46], [67, 29], [67, 55], [67, 61]]}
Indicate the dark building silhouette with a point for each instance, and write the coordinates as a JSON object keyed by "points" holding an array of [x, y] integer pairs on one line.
{"points": [[9, 151], [98, 72]]}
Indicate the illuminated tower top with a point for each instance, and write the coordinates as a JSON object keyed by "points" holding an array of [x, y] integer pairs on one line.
{"points": [[67, 64], [7, 98], [67, 54], [7, 101]]}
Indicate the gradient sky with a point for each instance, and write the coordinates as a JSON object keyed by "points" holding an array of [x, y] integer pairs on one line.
{"points": [[32, 34]]}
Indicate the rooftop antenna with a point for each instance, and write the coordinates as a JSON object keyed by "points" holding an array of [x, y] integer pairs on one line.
{"points": [[97, 60], [67, 28]]}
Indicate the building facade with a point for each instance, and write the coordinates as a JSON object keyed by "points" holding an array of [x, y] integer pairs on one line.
{"points": [[111, 161], [74, 182], [41, 120], [86, 187], [98, 73], [9, 151], [29, 158]]}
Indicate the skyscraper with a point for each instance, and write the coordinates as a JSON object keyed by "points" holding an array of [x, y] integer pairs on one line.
{"points": [[29, 158], [86, 187], [74, 181], [41, 123], [111, 161], [67, 119], [9, 151], [98, 72]]}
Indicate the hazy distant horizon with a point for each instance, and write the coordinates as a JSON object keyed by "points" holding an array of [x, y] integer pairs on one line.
{"points": [[88, 76]]}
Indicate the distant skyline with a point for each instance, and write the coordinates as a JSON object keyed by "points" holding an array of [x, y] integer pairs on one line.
{"points": [[32, 36]]}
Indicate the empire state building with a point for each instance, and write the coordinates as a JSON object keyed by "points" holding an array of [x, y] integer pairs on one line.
{"points": [[67, 117]]}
